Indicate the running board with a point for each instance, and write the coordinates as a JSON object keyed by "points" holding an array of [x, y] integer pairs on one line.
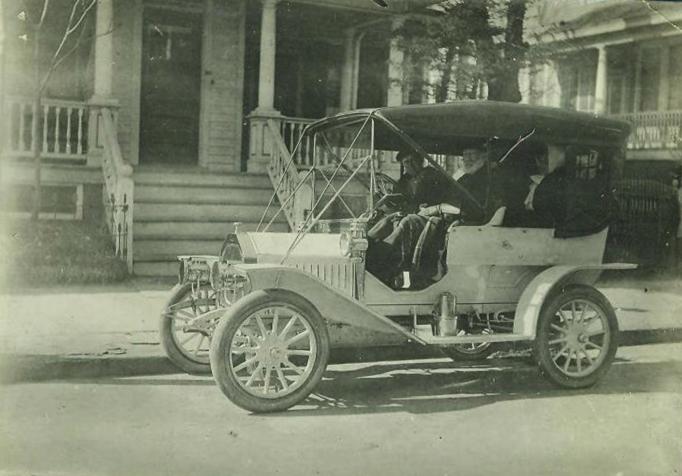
{"points": [[428, 338]]}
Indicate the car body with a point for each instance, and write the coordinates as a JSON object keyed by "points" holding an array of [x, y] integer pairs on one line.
{"points": [[276, 306]]}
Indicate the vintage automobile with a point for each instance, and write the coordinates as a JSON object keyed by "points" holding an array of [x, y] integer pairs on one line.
{"points": [[265, 312]]}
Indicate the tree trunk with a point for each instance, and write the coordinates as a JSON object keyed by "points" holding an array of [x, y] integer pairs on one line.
{"points": [[514, 51], [444, 86], [36, 127], [486, 51]]}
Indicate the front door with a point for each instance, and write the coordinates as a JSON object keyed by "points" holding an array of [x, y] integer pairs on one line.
{"points": [[170, 95]]}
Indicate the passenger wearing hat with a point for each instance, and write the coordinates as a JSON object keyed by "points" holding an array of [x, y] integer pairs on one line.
{"points": [[421, 186]]}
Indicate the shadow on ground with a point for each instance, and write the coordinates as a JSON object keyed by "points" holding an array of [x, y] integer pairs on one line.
{"points": [[35, 368], [439, 386]]}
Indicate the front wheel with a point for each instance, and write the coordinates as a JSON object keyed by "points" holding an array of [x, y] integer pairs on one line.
{"points": [[269, 351], [576, 337], [185, 344]]}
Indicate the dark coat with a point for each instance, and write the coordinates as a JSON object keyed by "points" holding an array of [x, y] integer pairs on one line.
{"points": [[573, 207], [428, 188]]}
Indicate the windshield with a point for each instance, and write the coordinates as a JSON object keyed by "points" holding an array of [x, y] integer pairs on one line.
{"points": [[351, 164]]}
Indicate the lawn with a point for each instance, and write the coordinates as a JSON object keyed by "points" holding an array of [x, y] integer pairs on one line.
{"points": [[57, 252]]}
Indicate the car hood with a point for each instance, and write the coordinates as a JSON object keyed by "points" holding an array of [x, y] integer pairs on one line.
{"points": [[273, 247]]}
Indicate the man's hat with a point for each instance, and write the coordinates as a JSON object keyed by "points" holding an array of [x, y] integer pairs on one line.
{"points": [[405, 155]]}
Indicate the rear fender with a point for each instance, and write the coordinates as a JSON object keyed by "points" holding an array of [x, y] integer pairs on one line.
{"points": [[332, 305], [549, 281]]}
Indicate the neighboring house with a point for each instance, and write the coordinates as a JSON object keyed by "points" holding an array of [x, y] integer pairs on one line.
{"points": [[176, 108], [621, 58]]}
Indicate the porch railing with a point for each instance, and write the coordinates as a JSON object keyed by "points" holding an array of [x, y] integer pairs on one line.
{"points": [[118, 185], [291, 130], [65, 126], [654, 129]]}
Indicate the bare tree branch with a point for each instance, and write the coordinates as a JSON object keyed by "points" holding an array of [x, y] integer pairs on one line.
{"points": [[80, 20], [75, 47], [43, 13], [70, 28]]}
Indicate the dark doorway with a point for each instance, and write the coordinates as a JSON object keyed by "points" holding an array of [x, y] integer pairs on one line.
{"points": [[171, 87]]}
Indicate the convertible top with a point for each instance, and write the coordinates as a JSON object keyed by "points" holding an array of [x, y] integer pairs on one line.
{"points": [[442, 126]]}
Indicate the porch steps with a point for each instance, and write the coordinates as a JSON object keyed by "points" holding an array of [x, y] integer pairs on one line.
{"points": [[179, 213]]}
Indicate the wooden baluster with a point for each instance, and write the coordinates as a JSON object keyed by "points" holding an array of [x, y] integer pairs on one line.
{"points": [[9, 137], [46, 111], [290, 145], [21, 146], [300, 156], [79, 145], [57, 114], [69, 111]]}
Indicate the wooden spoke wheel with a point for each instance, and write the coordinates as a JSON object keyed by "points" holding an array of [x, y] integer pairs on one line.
{"points": [[185, 344], [270, 351], [576, 337]]}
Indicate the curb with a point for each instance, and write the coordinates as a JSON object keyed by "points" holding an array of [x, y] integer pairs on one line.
{"points": [[38, 368]]}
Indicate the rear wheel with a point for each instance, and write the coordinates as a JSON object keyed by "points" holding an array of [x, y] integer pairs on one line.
{"points": [[473, 351], [576, 337], [269, 351], [185, 345]]}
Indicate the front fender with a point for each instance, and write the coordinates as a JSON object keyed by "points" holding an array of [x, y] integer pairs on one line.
{"points": [[332, 304], [544, 284]]}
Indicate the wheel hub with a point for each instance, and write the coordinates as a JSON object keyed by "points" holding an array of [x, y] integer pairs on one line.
{"points": [[262, 350], [575, 353]]}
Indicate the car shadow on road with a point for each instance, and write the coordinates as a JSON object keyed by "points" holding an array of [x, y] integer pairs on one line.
{"points": [[433, 387]]}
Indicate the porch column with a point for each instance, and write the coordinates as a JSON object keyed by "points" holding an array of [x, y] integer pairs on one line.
{"points": [[600, 88], [266, 76], [551, 88], [260, 141], [103, 74], [664, 79], [357, 49], [395, 69], [348, 71], [638, 81], [103, 48]]}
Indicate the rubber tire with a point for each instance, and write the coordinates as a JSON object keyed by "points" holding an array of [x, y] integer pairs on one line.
{"points": [[541, 347], [230, 324], [169, 345], [455, 354]]}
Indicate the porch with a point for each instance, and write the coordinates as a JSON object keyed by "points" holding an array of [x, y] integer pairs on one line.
{"points": [[243, 121]]}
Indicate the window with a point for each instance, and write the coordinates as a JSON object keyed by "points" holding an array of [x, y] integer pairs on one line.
{"points": [[649, 79], [577, 80]]}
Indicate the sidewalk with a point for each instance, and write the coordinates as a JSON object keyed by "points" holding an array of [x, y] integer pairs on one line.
{"points": [[80, 332]]}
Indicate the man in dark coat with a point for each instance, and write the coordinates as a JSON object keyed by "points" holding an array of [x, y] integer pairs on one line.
{"points": [[420, 185], [560, 200], [416, 240]]}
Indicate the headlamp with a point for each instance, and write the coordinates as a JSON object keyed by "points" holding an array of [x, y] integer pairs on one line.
{"points": [[345, 243]]}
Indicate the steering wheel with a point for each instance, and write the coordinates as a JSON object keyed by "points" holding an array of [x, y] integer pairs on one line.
{"points": [[385, 184], [386, 201], [386, 192]]}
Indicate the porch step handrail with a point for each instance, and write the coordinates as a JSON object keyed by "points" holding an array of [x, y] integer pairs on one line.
{"points": [[118, 186], [283, 173]]}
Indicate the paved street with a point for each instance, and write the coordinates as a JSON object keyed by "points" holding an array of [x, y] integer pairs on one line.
{"points": [[425, 418]]}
